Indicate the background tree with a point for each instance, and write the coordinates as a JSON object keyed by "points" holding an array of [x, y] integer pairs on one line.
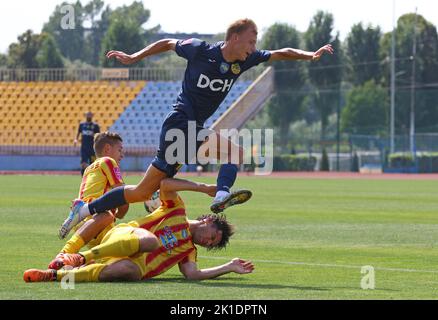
{"points": [[363, 53], [23, 54], [366, 110], [125, 32], [285, 106], [3, 60], [71, 42], [98, 20], [426, 102], [48, 55], [326, 75]]}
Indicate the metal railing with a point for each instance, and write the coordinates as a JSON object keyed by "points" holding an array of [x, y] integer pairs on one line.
{"points": [[96, 74], [42, 150], [249, 103]]}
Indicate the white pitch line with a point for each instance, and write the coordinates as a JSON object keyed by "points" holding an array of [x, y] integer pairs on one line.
{"points": [[325, 265]]}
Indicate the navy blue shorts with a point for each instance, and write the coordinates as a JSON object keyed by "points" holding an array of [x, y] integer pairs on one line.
{"points": [[176, 120], [87, 155]]}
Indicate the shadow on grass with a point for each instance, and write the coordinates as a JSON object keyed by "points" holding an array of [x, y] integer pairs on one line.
{"points": [[229, 282], [236, 282]]}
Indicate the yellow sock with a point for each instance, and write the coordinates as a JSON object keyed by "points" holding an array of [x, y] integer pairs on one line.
{"points": [[123, 245], [74, 244], [88, 273]]}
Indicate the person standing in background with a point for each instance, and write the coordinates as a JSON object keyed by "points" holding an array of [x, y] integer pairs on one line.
{"points": [[87, 129]]}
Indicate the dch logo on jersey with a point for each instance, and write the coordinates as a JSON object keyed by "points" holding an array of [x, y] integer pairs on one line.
{"points": [[215, 84], [87, 132]]}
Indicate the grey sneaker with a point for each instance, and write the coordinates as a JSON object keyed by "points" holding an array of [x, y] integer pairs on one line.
{"points": [[72, 220], [235, 197]]}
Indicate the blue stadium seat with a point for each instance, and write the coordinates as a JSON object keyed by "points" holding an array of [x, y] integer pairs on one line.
{"points": [[140, 123]]}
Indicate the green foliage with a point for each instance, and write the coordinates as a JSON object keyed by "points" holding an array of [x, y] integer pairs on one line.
{"points": [[366, 110], [23, 54], [325, 75], [125, 32], [123, 36], [427, 162], [324, 165], [285, 106], [363, 51], [35, 51], [426, 105], [134, 13], [291, 162], [401, 160], [70, 41], [49, 55], [3, 60], [97, 29]]}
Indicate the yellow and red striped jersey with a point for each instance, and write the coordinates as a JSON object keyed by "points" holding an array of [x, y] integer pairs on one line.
{"points": [[99, 177], [169, 223]]}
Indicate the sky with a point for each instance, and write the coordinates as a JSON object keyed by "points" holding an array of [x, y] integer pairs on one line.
{"points": [[208, 16]]}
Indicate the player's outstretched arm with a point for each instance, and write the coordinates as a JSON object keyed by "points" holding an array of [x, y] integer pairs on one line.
{"points": [[152, 49], [170, 186], [297, 54], [191, 272]]}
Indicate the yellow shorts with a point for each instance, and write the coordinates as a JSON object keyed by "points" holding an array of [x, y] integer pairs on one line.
{"points": [[139, 260]]}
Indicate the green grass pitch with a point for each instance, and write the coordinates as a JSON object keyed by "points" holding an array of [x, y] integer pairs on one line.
{"points": [[308, 238]]}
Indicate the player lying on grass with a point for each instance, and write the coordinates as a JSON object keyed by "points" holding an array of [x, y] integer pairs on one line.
{"points": [[99, 177], [147, 247], [211, 71]]}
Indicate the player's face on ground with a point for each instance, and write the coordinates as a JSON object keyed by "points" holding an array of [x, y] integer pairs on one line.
{"points": [[207, 235], [115, 151], [245, 43]]}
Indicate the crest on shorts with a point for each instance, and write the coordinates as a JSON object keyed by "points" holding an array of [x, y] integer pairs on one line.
{"points": [[235, 68]]}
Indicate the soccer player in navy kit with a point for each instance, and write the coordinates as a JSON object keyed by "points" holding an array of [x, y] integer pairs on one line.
{"points": [[87, 129], [211, 71]]}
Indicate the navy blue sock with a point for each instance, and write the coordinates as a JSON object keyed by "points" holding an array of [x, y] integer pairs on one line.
{"points": [[227, 176], [110, 200]]}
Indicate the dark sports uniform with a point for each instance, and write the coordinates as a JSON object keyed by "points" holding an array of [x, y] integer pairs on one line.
{"points": [[88, 130], [207, 81]]}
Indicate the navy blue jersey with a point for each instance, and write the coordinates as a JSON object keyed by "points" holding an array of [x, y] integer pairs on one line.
{"points": [[208, 77], [88, 129]]}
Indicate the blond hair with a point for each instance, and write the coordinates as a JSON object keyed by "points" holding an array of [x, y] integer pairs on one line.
{"points": [[240, 26]]}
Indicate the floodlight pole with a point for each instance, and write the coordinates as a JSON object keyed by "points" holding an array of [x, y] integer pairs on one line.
{"points": [[392, 115], [412, 126]]}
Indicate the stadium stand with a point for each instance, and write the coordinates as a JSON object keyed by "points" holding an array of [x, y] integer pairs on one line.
{"points": [[140, 123], [48, 113], [39, 119]]}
